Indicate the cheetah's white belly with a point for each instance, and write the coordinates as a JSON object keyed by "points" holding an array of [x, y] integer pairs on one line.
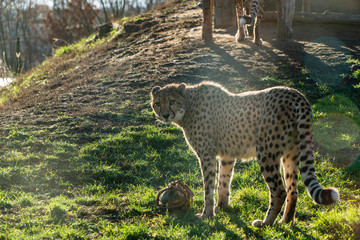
{"points": [[246, 154], [249, 154]]}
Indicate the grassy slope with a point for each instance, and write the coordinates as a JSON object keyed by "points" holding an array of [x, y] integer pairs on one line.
{"points": [[96, 173]]}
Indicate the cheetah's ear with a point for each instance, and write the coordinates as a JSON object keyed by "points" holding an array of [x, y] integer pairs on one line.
{"points": [[181, 88], [154, 90]]}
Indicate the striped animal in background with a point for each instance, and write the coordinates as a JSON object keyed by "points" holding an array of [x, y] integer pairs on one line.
{"points": [[249, 12]]}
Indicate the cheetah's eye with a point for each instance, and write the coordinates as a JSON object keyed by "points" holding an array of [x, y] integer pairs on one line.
{"points": [[172, 102], [157, 104]]}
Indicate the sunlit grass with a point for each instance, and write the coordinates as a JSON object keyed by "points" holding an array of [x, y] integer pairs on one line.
{"points": [[58, 182], [97, 205], [52, 187], [83, 45]]}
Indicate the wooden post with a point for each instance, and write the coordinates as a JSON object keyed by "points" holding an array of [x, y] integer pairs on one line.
{"points": [[285, 14], [207, 21], [18, 54], [305, 6]]}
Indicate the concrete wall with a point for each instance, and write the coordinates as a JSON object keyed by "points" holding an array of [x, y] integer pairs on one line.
{"points": [[339, 6]]}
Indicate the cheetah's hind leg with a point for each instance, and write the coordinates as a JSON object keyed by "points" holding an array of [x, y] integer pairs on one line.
{"points": [[290, 163], [270, 170]]}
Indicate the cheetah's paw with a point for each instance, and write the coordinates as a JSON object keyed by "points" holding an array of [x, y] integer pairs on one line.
{"points": [[204, 215], [258, 223]]}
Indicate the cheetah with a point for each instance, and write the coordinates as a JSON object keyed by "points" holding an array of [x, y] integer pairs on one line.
{"points": [[271, 125]]}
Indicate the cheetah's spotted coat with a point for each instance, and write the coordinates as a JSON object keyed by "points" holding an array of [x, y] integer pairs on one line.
{"points": [[273, 125]]}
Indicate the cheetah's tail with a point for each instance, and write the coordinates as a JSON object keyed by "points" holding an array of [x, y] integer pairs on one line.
{"points": [[323, 196]]}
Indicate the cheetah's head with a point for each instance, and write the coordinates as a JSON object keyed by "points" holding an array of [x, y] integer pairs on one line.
{"points": [[168, 102]]}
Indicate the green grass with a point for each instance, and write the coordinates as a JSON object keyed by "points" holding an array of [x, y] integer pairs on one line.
{"points": [[355, 71], [106, 189], [57, 183], [84, 45], [67, 179], [336, 128]]}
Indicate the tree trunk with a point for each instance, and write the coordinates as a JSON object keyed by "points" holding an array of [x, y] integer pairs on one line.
{"points": [[285, 14], [207, 21]]}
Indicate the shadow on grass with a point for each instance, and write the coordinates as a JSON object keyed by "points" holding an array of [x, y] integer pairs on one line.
{"points": [[203, 229], [307, 236], [139, 155]]}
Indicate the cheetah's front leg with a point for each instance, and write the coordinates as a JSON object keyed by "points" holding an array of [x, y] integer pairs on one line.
{"points": [[224, 183], [208, 170]]}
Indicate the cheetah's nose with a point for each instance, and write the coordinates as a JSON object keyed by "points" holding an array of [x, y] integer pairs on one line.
{"points": [[166, 115]]}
